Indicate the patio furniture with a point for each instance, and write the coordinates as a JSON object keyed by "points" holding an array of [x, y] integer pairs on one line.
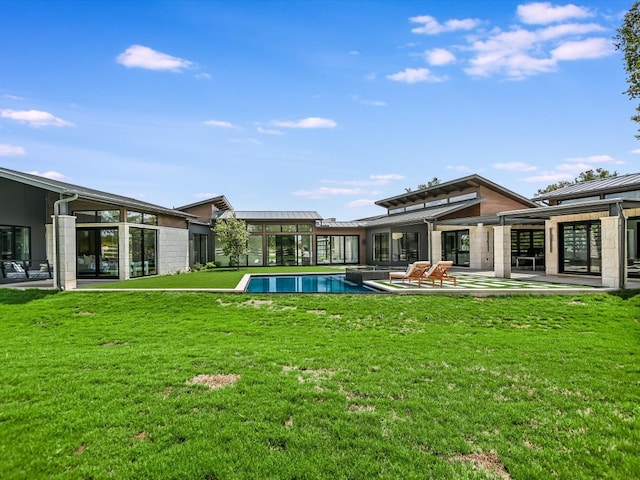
{"points": [[439, 272], [415, 271]]}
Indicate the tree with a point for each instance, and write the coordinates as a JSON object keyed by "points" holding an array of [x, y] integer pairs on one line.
{"points": [[234, 236], [627, 39], [431, 183], [588, 175]]}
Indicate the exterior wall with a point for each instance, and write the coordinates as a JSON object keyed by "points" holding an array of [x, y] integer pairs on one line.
{"points": [[495, 202], [173, 250], [423, 242], [202, 212], [362, 247], [502, 249], [25, 206], [552, 247], [436, 246]]}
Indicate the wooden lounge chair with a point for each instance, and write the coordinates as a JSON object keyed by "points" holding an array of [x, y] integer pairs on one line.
{"points": [[415, 271], [439, 272]]}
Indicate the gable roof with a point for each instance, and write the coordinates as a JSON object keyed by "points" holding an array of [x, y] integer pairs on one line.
{"points": [[447, 188], [64, 188], [617, 184]]}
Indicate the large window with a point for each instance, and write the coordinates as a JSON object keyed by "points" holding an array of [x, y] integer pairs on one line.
{"points": [[142, 252], [527, 244], [15, 243], [581, 248], [97, 216], [139, 217], [456, 247], [404, 246], [338, 249], [381, 247], [633, 247], [289, 249], [200, 248], [97, 250]]}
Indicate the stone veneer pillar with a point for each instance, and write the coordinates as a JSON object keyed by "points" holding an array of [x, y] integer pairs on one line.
{"points": [[481, 253], [436, 246], [613, 271], [64, 269], [502, 251]]}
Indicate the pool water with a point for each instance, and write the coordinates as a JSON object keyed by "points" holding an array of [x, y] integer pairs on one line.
{"points": [[304, 284]]}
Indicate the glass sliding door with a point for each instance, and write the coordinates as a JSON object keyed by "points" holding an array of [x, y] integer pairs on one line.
{"points": [[456, 247], [15, 243], [289, 249], [97, 250], [142, 252], [581, 248]]}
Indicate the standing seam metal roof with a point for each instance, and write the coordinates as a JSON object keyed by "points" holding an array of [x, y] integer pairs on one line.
{"points": [[604, 185]]}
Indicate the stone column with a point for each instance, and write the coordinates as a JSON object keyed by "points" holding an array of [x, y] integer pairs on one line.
{"points": [[613, 271], [502, 251], [436, 246], [551, 247], [480, 243], [64, 267]]}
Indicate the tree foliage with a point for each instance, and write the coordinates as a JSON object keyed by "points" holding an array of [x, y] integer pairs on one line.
{"points": [[585, 176], [431, 183], [627, 39], [233, 236]]}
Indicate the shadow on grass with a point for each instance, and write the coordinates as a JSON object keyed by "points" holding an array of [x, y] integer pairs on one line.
{"points": [[627, 294], [10, 296]]}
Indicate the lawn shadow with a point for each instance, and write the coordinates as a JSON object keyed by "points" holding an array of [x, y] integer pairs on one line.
{"points": [[627, 294], [10, 296]]}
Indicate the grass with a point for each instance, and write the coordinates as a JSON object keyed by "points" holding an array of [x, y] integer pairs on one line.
{"points": [[215, 278], [97, 385]]}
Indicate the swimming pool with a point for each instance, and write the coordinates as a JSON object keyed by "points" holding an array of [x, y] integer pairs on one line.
{"points": [[334, 283]]}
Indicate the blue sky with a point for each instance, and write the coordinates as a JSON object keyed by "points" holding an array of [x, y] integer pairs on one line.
{"points": [[311, 105]]}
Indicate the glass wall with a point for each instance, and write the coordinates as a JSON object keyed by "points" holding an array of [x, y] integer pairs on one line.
{"points": [[527, 243], [15, 243], [143, 245], [339, 249], [633, 247], [381, 247], [404, 246], [289, 249], [97, 251], [200, 248], [456, 246], [580, 248]]}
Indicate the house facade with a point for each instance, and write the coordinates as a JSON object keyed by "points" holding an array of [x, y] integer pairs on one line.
{"points": [[54, 229]]}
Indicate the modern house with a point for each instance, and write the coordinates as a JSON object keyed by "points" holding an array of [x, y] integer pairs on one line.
{"points": [[54, 228], [48, 227]]}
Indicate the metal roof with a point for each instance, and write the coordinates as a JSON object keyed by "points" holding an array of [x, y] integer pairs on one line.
{"points": [[448, 188], [220, 202], [594, 187], [86, 193], [544, 213], [419, 216], [273, 215], [352, 224]]}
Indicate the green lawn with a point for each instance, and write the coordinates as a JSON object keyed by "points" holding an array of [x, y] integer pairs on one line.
{"points": [[215, 278], [97, 385]]}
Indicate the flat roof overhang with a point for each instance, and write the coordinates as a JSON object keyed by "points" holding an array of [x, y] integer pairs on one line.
{"points": [[545, 213]]}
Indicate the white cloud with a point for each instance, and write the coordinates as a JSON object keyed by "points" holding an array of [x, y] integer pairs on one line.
{"points": [[430, 26], [361, 203], [269, 131], [584, 49], [439, 56], [13, 97], [246, 141], [138, 56], [542, 13], [35, 118], [514, 166], [415, 75], [205, 196], [373, 180], [550, 177], [595, 159], [324, 192], [309, 122], [7, 150], [354, 52], [636, 151], [372, 103], [203, 76], [459, 168], [219, 123], [52, 175]]}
